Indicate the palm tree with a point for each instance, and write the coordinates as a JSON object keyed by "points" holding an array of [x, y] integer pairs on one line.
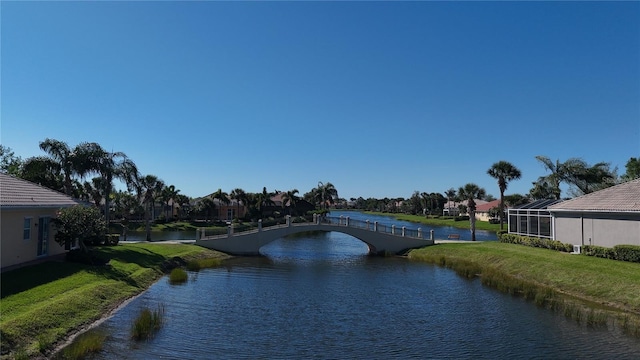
{"points": [[327, 194], [504, 172], [451, 194], [291, 198], [148, 189], [110, 165], [263, 200], [223, 198], [167, 194], [470, 192], [66, 160], [44, 171], [239, 195]]}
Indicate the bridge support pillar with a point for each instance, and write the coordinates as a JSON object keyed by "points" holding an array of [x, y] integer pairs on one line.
{"points": [[260, 225]]}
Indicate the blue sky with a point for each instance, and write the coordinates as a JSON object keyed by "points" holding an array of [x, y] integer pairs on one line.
{"points": [[379, 98]]}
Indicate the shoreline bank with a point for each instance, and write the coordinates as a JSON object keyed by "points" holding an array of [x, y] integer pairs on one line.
{"points": [[79, 297]]}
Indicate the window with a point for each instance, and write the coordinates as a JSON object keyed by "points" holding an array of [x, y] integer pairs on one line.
{"points": [[26, 232]]}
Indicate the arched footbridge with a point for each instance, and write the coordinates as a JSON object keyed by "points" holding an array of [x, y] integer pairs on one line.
{"points": [[379, 238]]}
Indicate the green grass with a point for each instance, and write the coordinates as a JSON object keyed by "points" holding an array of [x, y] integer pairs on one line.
{"points": [[85, 344], [147, 323], [43, 304], [580, 286], [464, 224], [178, 276]]}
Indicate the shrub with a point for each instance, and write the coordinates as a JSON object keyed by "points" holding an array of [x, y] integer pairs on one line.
{"points": [[535, 242], [599, 251], [461, 218], [627, 253], [147, 323]]}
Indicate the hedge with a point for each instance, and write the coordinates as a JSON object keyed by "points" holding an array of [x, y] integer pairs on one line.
{"points": [[630, 253]]}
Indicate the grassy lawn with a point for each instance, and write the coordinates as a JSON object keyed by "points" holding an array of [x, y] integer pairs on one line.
{"points": [[480, 225], [42, 304], [609, 283]]}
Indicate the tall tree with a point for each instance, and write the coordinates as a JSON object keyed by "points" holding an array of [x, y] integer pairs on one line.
{"points": [[239, 195], [44, 171], [632, 169], [9, 162], [110, 165], [222, 197], [451, 195], [67, 160], [504, 172], [263, 200], [290, 197], [149, 187], [168, 194], [470, 192], [327, 194]]}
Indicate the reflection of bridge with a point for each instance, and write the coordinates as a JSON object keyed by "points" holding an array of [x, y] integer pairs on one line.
{"points": [[380, 238]]}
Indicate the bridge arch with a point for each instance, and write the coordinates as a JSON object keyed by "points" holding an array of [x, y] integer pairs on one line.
{"points": [[250, 242]]}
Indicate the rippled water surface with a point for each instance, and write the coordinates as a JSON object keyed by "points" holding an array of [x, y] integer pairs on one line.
{"points": [[318, 296]]}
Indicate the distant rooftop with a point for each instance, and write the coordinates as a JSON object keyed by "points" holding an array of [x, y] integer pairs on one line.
{"points": [[15, 192], [623, 197]]}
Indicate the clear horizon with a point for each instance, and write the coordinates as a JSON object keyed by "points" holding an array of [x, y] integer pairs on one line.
{"points": [[379, 98]]}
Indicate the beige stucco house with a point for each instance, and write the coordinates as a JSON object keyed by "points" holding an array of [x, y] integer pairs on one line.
{"points": [[607, 217], [26, 210]]}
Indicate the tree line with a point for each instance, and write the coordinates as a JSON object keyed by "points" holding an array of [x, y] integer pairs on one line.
{"points": [[87, 172]]}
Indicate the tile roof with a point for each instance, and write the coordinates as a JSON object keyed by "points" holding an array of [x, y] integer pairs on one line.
{"points": [[487, 206], [623, 197], [15, 192]]}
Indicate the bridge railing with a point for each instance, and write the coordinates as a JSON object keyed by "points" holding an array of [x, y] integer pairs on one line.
{"points": [[374, 226]]}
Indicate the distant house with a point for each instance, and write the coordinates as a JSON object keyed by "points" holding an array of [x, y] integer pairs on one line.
{"points": [[482, 210], [607, 217], [452, 208], [26, 210]]}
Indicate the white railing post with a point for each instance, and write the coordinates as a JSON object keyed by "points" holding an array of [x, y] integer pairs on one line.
{"points": [[403, 231], [288, 220], [202, 233], [340, 221], [375, 226], [259, 225], [229, 231], [367, 224], [431, 234], [393, 229], [420, 233], [347, 222]]}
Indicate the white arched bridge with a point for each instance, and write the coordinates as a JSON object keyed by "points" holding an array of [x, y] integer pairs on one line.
{"points": [[381, 239]]}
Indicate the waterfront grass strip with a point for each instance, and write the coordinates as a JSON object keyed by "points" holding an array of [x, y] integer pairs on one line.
{"points": [[610, 283], [38, 313]]}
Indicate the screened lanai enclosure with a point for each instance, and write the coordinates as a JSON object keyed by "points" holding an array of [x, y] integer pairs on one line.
{"points": [[532, 219]]}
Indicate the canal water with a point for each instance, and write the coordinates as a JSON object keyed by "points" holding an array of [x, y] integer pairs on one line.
{"points": [[318, 296]]}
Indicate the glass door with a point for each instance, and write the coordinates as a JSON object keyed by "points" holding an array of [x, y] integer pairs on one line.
{"points": [[43, 236]]}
